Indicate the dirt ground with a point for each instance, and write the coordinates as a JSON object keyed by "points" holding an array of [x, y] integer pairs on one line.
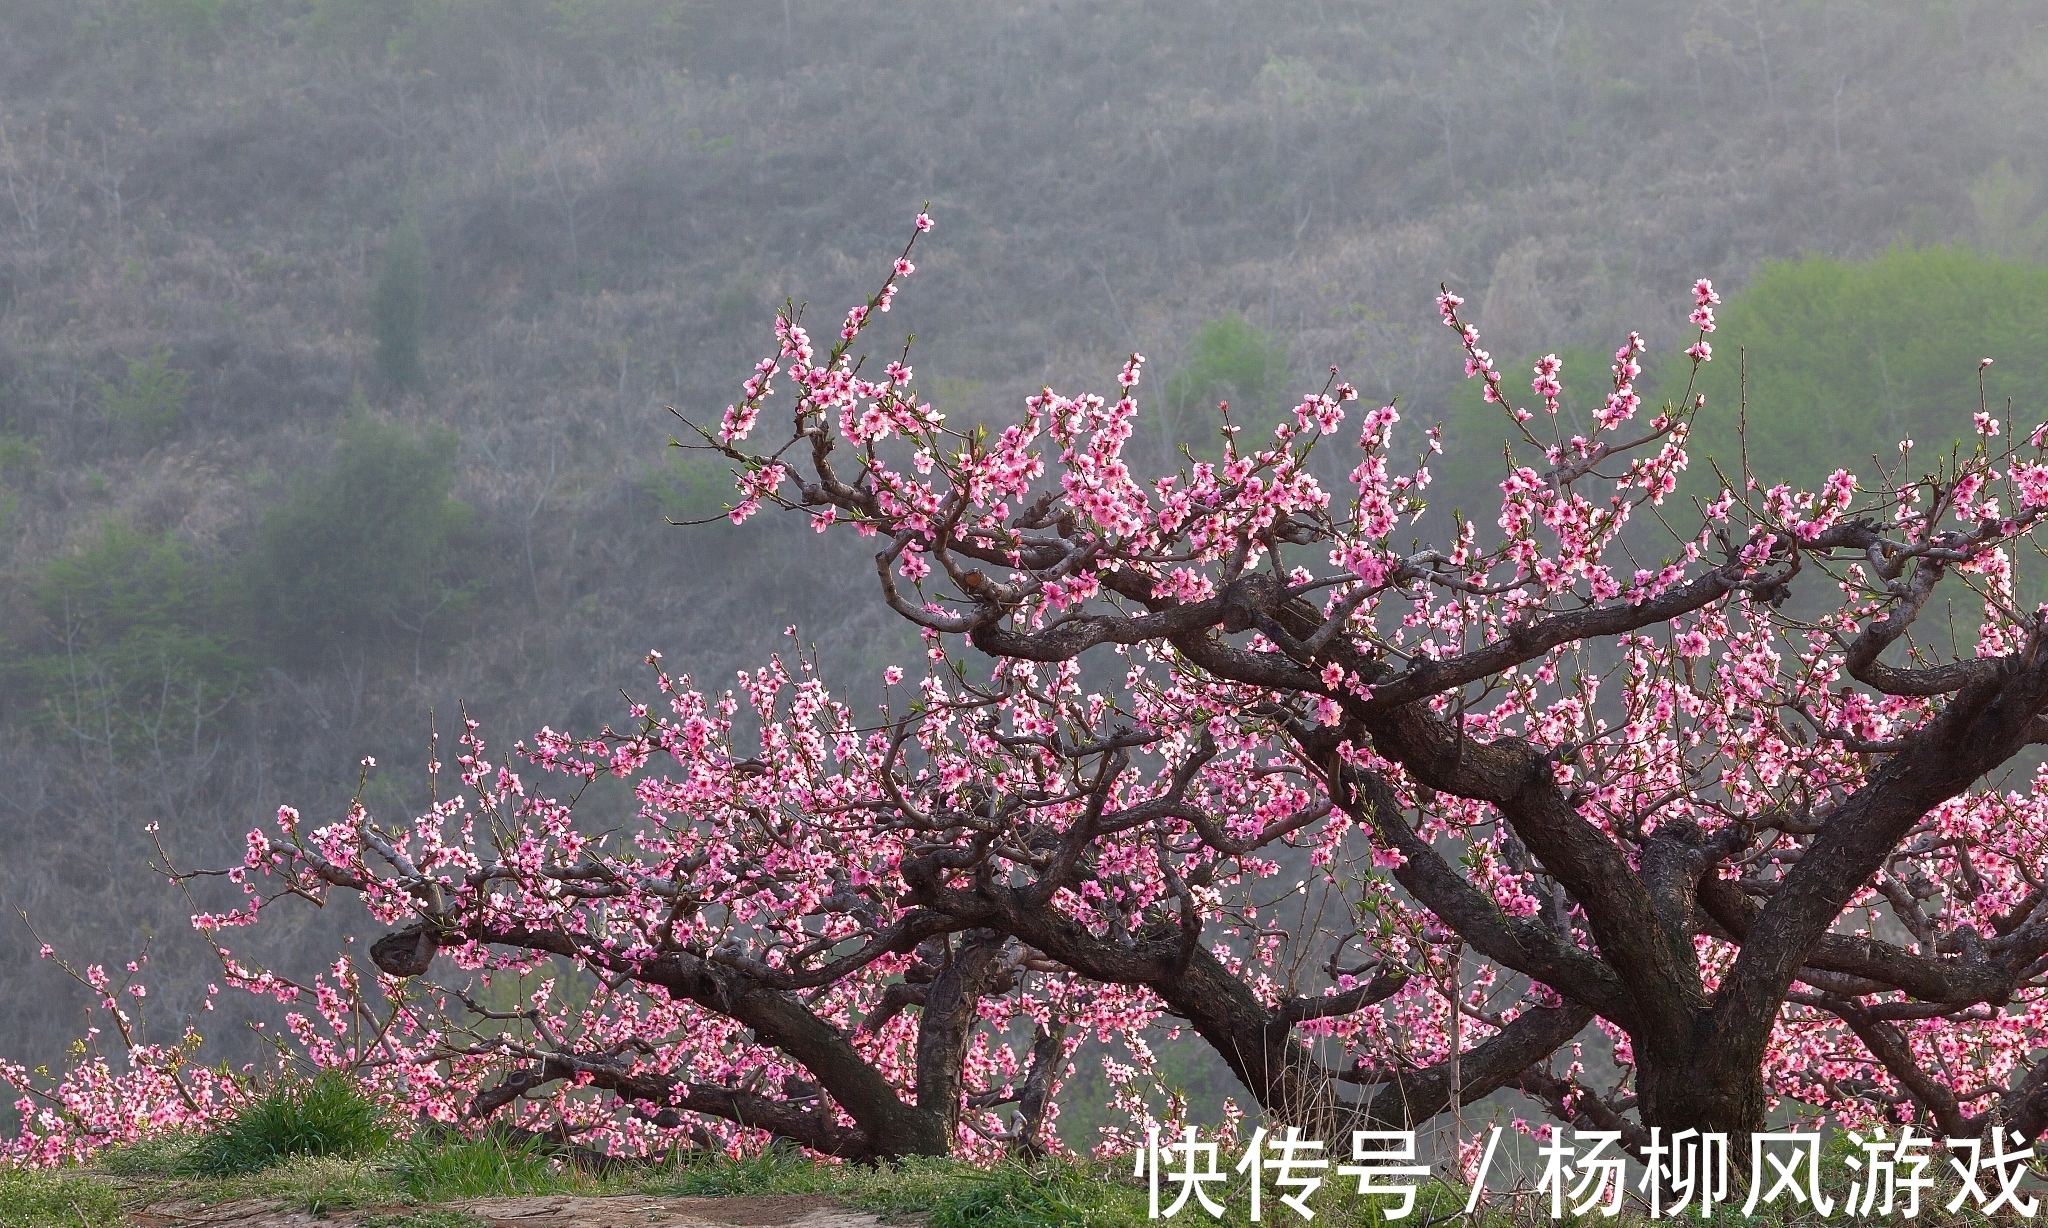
{"points": [[543, 1211]]}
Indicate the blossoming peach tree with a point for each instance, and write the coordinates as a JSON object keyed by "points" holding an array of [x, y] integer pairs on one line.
{"points": [[1388, 827]]}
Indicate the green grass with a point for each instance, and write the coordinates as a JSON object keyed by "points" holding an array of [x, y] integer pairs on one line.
{"points": [[412, 1184], [487, 1167], [33, 1198], [950, 1193], [318, 1184], [326, 1115], [770, 1172], [167, 1155], [442, 1217], [1057, 1196]]}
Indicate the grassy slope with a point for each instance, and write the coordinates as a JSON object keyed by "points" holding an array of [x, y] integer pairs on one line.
{"points": [[385, 1193], [421, 1189], [320, 1146]]}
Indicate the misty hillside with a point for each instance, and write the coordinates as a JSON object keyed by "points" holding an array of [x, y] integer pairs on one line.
{"points": [[337, 336]]}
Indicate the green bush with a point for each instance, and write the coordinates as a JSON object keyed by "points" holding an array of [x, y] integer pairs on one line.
{"points": [[1842, 360], [398, 305], [1233, 360], [146, 403], [326, 1115], [19, 457], [36, 1198], [367, 551], [131, 644], [1845, 358]]}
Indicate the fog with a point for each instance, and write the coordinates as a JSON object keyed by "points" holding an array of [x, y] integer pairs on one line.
{"points": [[338, 337]]}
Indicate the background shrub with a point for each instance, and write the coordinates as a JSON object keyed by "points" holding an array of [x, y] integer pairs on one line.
{"points": [[131, 645], [367, 550], [146, 403], [398, 305]]}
